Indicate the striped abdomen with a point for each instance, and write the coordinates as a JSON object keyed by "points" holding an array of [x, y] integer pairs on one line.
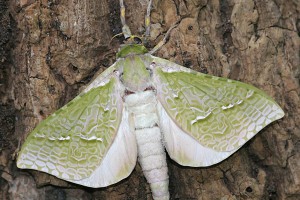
{"points": [[151, 155]]}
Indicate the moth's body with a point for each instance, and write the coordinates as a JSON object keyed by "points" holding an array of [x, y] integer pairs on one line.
{"points": [[139, 107]]}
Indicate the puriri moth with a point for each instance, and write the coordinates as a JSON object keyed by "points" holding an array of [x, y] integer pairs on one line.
{"points": [[139, 107]]}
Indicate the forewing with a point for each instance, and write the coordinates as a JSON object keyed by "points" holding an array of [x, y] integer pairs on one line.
{"points": [[73, 143], [219, 113]]}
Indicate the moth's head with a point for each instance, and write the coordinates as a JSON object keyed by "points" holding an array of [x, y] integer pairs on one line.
{"points": [[131, 49], [133, 44]]}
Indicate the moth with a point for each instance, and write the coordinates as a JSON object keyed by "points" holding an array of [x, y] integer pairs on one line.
{"points": [[139, 107]]}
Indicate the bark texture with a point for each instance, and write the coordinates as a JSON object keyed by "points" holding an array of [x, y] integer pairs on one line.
{"points": [[49, 49]]}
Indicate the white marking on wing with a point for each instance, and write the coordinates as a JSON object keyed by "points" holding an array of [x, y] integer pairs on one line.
{"points": [[200, 117]]}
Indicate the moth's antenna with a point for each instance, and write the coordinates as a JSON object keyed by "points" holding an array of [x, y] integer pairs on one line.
{"points": [[125, 28], [147, 19], [164, 40]]}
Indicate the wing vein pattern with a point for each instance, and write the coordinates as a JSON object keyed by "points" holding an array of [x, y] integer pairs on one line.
{"points": [[72, 142], [218, 113]]}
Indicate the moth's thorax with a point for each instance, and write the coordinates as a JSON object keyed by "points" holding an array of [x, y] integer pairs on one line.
{"points": [[135, 76]]}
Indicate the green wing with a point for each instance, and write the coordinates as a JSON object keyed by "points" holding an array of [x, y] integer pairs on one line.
{"points": [[219, 113], [72, 143]]}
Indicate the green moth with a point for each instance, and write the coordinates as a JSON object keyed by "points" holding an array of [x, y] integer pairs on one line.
{"points": [[139, 107]]}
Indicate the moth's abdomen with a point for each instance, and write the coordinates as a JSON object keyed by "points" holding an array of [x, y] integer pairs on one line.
{"points": [[152, 157]]}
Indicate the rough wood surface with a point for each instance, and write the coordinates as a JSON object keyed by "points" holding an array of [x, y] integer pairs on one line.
{"points": [[50, 49]]}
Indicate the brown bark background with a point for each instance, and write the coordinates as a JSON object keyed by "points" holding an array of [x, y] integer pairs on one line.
{"points": [[50, 49]]}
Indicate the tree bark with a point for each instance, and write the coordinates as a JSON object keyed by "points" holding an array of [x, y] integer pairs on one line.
{"points": [[51, 49]]}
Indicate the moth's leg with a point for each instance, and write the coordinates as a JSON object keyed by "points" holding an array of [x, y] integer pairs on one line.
{"points": [[147, 19], [164, 40], [125, 28]]}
